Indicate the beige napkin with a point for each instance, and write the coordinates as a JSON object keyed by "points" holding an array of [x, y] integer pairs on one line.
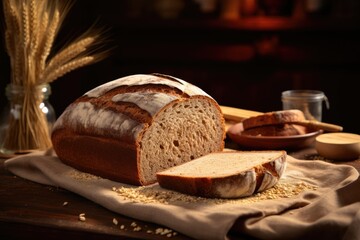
{"points": [[328, 205]]}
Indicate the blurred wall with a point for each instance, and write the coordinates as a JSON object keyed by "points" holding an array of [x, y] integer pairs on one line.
{"points": [[244, 57]]}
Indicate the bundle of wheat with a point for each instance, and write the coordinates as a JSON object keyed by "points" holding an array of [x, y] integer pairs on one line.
{"points": [[31, 29]]}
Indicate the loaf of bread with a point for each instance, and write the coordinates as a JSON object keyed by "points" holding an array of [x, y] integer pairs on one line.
{"points": [[230, 174], [131, 128], [274, 118]]}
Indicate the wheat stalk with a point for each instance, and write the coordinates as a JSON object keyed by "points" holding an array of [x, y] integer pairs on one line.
{"points": [[67, 54], [31, 30], [65, 68]]}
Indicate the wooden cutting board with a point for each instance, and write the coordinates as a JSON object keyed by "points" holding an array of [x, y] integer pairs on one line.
{"points": [[237, 114]]}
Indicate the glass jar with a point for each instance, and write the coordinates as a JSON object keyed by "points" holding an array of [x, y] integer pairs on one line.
{"points": [[308, 101], [27, 120]]}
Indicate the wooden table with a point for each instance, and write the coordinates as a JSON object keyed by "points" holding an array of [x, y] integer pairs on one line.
{"points": [[34, 211], [30, 210]]}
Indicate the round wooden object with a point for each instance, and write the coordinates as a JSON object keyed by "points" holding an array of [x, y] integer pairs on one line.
{"points": [[338, 146]]}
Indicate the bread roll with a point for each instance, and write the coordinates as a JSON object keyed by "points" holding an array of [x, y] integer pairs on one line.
{"points": [[274, 118], [130, 128], [231, 174]]}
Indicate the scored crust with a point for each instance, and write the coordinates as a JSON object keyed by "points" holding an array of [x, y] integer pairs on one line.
{"points": [[273, 118], [230, 174]]}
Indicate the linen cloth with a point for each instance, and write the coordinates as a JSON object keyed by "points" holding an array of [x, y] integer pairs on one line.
{"points": [[329, 211]]}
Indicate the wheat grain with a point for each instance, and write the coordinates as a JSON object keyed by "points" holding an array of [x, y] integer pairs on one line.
{"points": [[25, 27], [9, 15], [34, 28], [32, 18], [67, 54], [154, 194], [12, 20], [62, 70], [42, 38], [82, 217], [49, 39]]}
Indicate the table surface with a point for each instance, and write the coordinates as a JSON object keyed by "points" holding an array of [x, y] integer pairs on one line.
{"points": [[30, 209]]}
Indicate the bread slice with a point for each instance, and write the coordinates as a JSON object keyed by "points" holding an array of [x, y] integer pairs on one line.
{"points": [[273, 118], [276, 130], [230, 174]]}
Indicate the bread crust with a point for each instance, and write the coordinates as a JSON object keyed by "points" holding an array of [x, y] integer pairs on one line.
{"points": [[87, 153], [240, 184], [274, 118]]}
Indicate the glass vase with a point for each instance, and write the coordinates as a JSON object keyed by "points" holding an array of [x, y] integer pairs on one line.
{"points": [[26, 121]]}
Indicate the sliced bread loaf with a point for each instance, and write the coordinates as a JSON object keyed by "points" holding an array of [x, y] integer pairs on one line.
{"points": [[130, 128], [230, 174]]}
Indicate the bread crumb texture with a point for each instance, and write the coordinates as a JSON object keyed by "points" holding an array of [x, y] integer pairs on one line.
{"points": [[156, 194]]}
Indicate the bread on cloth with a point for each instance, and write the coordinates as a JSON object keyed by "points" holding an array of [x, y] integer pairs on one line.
{"points": [[275, 123], [225, 174], [130, 128]]}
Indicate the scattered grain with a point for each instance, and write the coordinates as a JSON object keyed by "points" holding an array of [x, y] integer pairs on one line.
{"points": [[115, 221], [82, 217], [165, 232], [155, 194], [137, 229], [65, 203]]}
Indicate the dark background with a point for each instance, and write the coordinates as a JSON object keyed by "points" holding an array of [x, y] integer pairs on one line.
{"points": [[244, 62]]}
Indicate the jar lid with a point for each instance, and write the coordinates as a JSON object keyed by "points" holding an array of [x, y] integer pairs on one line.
{"points": [[303, 94]]}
